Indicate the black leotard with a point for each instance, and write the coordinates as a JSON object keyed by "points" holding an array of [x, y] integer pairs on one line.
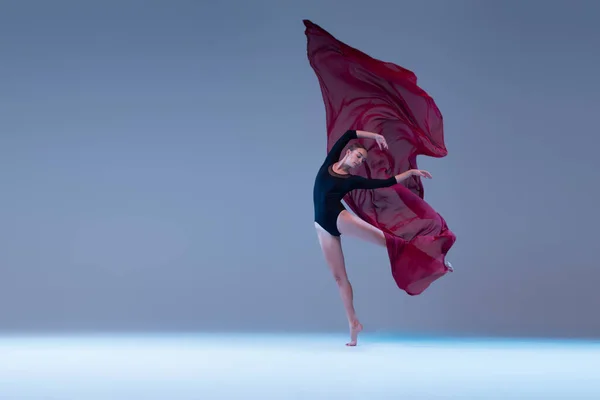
{"points": [[330, 187]]}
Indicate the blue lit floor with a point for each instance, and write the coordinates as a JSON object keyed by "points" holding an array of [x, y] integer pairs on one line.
{"points": [[206, 367]]}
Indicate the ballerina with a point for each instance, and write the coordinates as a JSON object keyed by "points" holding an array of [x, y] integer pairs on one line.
{"points": [[332, 183]]}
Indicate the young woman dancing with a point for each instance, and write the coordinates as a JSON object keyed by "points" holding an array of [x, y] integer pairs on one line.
{"points": [[332, 183]]}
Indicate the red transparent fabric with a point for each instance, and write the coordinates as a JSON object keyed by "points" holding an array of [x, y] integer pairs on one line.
{"points": [[360, 92]]}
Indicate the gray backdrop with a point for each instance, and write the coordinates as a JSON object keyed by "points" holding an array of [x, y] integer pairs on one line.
{"points": [[157, 162]]}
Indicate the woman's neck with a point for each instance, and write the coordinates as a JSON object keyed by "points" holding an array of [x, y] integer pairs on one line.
{"points": [[340, 167]]}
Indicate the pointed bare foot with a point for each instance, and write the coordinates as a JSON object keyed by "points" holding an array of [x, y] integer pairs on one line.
{"points": [[355, 329], [449, 266]]}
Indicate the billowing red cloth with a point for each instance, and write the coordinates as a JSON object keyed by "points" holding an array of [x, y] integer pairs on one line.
{"points": [[364, 93]]}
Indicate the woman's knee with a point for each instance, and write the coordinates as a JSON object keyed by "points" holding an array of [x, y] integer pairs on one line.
{"points": [[341, 279]]}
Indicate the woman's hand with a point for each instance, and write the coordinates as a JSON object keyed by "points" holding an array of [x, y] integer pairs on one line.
{"points": [[420, 172], [381, 142]]}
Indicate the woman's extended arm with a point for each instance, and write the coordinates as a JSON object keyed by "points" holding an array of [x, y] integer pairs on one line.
{"points": [[364, 183]]}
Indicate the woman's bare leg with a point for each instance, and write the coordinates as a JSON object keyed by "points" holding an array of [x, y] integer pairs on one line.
{"points": [[332, 250], [351, 225]]}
